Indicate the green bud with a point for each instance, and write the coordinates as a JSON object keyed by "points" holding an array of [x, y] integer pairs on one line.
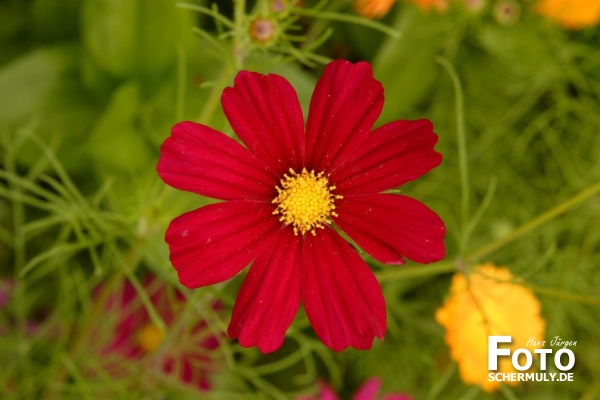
{"points": [[116, 145], [135, 38], [43, 93], [109, 33]]}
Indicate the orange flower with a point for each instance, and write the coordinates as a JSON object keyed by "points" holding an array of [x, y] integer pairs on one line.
{"points": [[488, 302], [572, 14], [379, 8], [437, 5], [373, 8]]}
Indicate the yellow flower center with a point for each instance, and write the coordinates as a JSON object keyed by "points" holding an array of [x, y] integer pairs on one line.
{"points": [[149, 337], [305, 200]]}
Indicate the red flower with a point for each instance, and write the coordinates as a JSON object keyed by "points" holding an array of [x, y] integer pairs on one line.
{"points": [[286, 190], [136, 336], [368, 391]]}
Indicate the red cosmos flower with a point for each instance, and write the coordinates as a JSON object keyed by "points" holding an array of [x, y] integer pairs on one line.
{"points": [[368, 391], [284, 193], [136, 336]]}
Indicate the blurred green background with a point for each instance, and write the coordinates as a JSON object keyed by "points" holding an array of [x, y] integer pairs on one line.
{"points": [[90, 88]]}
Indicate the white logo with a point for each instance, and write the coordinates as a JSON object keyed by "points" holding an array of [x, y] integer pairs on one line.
{"points": [[494, 352]]}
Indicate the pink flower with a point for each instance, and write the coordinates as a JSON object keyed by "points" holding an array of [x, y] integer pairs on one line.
{"points": [[288, 191], [7, 287], [136, 336], [368, 391]]}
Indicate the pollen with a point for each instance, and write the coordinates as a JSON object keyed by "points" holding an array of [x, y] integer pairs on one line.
{"points": [[305, 200], [149, 337]]}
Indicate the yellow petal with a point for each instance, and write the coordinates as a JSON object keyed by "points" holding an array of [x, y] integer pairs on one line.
{"points": [[572, 14], [488, 303]]}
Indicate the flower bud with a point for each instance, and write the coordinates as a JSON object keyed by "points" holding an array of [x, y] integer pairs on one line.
{"points": [[507, 12], [262, 30]]}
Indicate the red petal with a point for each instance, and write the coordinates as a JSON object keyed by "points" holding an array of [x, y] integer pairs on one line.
{"points": [[202, 160], [264, 112], [368, 390], [394, 154], [342, 298], [390, 227], [270, 295], [213, 243], [345, 104], [327, 392]]}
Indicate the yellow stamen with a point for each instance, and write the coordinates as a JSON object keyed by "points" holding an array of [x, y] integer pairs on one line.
{"points": [[149, 337], [305, 200]]}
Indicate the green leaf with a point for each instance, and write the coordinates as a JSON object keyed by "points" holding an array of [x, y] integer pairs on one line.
{"points": [[135, 38], [164, 28], [109, 33], [116, 144], [43, 87], [28, 81]]}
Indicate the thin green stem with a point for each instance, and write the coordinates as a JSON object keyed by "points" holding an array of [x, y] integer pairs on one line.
{"points": [[318, 26], [484, 251], [333, 16], [239, 47], [145, 299], [213, 100], [507, 392], [563, 295], [181, 80], [18, 212], [82, 334], [210, 12], [534, 223], [281, 364], [130, 262], [18, 244], [78, 377], [442, 382], [238, 50], [462, 152], [416, 271]]}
